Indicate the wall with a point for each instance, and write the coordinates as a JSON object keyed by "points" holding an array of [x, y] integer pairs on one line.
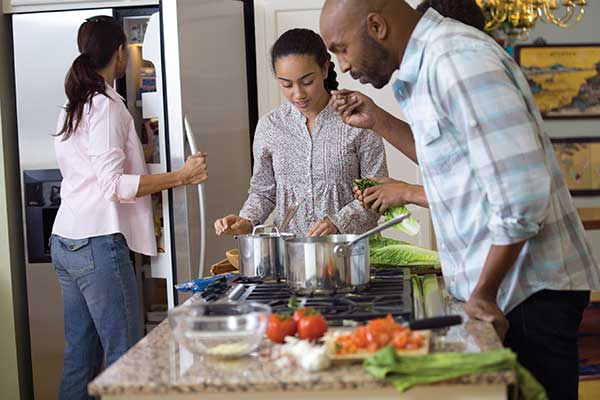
{"points": [[15, 368], [586, 31]]}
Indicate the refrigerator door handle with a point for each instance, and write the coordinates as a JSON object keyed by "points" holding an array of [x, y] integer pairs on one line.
{"points": [[194, 148]]}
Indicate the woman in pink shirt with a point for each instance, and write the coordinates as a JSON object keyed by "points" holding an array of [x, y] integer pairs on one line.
{"points": [[105, 210]]}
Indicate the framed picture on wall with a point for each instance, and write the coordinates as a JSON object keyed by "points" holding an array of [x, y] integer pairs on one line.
{"points": [[564, 79], [579, 161]]}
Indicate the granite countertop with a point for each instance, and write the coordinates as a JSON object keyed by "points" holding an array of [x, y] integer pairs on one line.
{"points": [[158, 365]]}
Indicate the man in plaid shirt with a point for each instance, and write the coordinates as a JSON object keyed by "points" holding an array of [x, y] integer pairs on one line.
{"points": [[510, 241]]}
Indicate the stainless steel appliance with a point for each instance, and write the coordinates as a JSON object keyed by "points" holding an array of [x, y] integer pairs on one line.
{"points": [[193, 57], [389, 291], [392, 291]]}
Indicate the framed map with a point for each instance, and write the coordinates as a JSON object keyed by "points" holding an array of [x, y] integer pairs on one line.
{"points": [[564, 79], [579, 161]]}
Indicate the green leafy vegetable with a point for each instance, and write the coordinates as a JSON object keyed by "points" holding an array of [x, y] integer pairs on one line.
{"points": [[406, 372], [391, 252], [403, 254], [410, 226], [376, 241]]}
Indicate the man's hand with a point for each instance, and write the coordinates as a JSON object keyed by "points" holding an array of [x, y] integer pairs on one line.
{"points": [[355, 108], [487, 310], [323, 228]]}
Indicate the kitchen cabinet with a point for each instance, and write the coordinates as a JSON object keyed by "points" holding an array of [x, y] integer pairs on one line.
{"points": [[18, 6], [274, 17]]}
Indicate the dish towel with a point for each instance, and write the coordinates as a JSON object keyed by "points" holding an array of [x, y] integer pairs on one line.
{"points": [[405, 372]]}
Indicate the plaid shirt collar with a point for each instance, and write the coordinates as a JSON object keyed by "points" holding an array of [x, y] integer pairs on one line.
{"points": [[413, 55]]}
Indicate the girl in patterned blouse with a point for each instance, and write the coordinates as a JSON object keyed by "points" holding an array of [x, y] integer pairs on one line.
{"points": [[303, 152]]}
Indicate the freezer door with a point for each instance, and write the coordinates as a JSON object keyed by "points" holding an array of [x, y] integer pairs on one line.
{"points": [[206, 79]]}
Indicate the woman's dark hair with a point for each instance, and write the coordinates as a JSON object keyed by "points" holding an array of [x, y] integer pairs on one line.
{"points": [[305, 42], [465, 11], [98, 39]]}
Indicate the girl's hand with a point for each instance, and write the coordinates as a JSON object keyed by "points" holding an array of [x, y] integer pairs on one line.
{"points": [[233, 225], [382, 197], [359, 195], [195, 170], [323, 228]]}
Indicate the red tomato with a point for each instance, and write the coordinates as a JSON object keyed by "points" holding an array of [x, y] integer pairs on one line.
{"points": [[312, 326], [280, 326], [299, 313]]}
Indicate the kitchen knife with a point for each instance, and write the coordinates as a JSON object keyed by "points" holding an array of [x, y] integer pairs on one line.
{"points": [[415, 325], [434, 322]]}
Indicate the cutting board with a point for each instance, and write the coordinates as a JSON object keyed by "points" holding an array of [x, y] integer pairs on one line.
{"points": [[331, 335]]}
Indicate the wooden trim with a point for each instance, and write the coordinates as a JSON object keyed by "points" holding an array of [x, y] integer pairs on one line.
{"points": [[590, 217]]}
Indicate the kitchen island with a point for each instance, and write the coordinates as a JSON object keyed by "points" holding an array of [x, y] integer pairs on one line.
{"points": [[158, 368]]}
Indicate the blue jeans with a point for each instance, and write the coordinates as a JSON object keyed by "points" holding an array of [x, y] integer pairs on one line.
{"points": [[100, 306]]}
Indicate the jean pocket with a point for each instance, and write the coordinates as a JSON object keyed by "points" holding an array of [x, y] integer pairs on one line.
{"points": [[76, 254], [119, 239]]}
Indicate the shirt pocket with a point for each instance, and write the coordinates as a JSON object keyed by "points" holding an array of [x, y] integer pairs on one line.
{"points": [[438, 151], [75, 255]]}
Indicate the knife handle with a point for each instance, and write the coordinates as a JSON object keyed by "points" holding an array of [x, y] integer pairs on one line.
{"points": [[435, 322]]}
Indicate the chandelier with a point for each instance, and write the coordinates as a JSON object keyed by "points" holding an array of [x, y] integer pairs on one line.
{"points": [[519, 16]]}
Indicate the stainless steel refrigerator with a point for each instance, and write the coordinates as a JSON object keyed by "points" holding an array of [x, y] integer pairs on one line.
{"points": [[192, 58]]}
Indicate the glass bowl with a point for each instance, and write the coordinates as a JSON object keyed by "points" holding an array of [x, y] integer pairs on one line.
{"points": [[221, 330]]}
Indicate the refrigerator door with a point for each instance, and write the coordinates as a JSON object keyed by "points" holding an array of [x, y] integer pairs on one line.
{"points": [[45, 45], [206, 79]]}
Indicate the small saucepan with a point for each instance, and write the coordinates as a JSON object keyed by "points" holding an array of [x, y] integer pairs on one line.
{"points": [[262, 253]]}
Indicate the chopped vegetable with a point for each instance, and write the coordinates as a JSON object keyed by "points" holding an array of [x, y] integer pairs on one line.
{"points": [[310, 357], [410, 226], [230, 349], [377, 334], [280, 326]]}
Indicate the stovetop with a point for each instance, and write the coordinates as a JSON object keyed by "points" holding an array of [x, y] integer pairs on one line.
{"points": [[389, 292]]}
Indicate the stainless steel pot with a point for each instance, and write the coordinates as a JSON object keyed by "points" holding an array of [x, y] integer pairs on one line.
{"points": [[262, 254], [328, 264]]}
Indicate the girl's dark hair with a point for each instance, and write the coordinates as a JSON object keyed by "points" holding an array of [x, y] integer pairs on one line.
{"points": [[98, 39], [305, 42], [465, 11]]}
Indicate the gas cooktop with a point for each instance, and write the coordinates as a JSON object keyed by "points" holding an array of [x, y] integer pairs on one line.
{"points": [[389, 292]]}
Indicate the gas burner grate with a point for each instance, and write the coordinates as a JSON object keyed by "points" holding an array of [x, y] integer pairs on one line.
{"points": [[386, 294]]}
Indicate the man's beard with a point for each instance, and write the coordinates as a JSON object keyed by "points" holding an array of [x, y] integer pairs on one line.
{"points": [[374, 62]]}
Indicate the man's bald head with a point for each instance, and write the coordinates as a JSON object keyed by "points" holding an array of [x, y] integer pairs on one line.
{"points": [[367, 36], [355, 10]]}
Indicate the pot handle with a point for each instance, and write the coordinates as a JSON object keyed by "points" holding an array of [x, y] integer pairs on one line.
{"points": [[342, 249], [264, 228]]}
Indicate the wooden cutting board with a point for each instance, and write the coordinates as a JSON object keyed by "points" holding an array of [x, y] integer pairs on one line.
{"points": [[331, 335], [222, 267]]}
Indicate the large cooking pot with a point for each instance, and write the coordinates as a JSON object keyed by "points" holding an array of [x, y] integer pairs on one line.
{"points": [[262, 253], [328, 264]]}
